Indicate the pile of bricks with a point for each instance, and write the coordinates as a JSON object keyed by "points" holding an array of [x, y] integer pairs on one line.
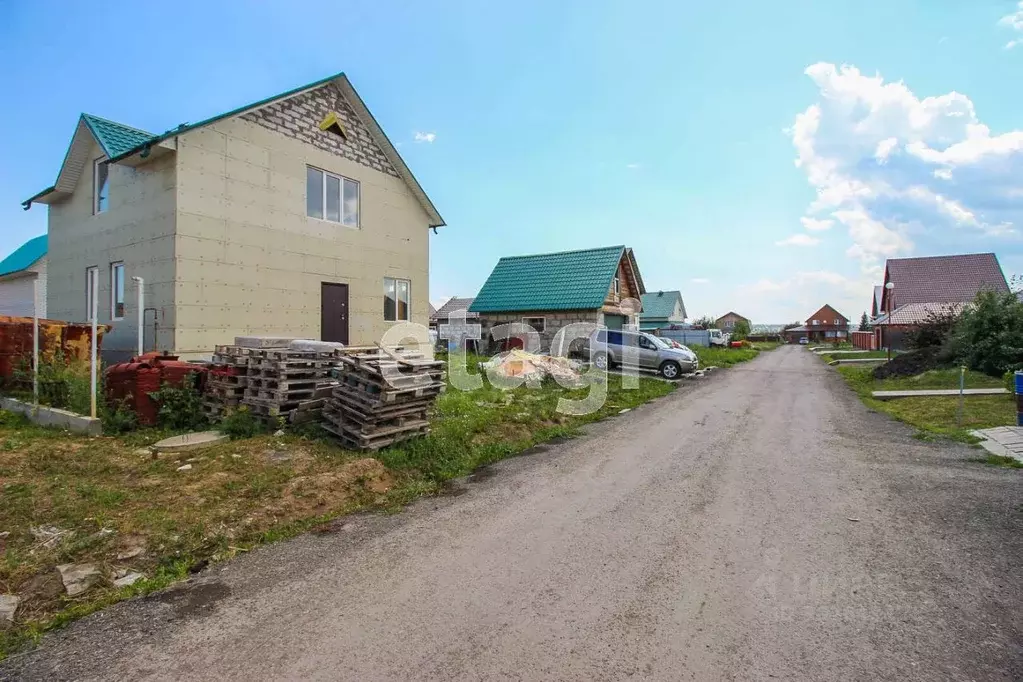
{"points": [[382, 397], [290, 384]]}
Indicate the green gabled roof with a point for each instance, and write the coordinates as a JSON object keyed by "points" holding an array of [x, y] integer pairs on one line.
{"points": [[570, 280], [659, 304], [24, 256], [116, 138]]}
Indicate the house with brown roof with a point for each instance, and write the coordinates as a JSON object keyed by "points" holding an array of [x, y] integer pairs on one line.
{"points": [[827, 325], [924, 286], [727, 322]]}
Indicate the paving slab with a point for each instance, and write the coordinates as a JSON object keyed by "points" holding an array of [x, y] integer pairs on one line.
{"points": [[1004, 441], [928, 393]]}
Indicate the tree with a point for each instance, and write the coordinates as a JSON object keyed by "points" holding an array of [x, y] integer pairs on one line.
{"points": [[740, 331], [988, 336], [864, 322], [707, 322]]}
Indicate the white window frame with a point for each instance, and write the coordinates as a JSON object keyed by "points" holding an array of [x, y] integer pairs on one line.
{"points": [[815, 323], [838, 321], [543, 325], [96, 209], [114, 267], [408, 303], [90, 292], [341, 198], [617, 286]]}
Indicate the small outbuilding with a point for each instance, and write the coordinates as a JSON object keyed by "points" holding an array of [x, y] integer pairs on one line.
{"points": [[662, 309], [18, 274], [551, 290]]}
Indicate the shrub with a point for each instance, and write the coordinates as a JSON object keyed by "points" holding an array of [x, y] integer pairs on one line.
{"points": [[935, 330], [121, 419], [740, 331], [988, 337], [241, 424], [180, 406]]}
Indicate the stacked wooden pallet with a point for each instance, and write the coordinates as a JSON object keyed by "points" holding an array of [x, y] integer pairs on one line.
{"points": [[226, 381], [286, 383], [382, 397]]}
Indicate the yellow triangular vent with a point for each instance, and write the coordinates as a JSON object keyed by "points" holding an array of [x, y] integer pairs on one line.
{"points": [[332, 124]]}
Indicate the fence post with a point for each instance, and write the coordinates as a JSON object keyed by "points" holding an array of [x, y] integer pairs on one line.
{"points": [[35, 341], [94, 283]]}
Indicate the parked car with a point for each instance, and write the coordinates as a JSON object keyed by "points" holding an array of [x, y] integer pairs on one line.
{"points": [[803, 340], [607, 348], [717, 338]]}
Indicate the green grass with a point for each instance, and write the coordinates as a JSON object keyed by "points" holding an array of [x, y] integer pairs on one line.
{"points": [[723, 357], [766, 345], [873, 354], [237, 496], [935, 416], [1000, 461]]}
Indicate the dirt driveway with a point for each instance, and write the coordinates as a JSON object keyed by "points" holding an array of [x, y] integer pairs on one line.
{"points": [[762, 526]]}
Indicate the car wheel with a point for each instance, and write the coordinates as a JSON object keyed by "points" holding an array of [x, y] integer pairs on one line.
{"points": [[670, 369], [601, 361]]}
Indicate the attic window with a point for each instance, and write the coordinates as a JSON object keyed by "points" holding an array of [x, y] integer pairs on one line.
{"points": [[332, 124], [101, 186]]}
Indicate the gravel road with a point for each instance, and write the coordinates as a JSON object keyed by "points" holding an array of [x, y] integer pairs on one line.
{"points": [[762, 525]]}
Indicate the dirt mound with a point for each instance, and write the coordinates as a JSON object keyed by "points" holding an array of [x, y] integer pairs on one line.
{"points": [[911, 364]]}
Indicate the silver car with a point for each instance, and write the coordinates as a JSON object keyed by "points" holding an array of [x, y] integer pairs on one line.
{"points": [[608, 348]]}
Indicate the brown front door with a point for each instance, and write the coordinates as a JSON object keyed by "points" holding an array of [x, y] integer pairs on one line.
{"points": [[334, 312]]}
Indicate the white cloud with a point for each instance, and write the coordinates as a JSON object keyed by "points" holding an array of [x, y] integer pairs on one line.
{"points": [[632, 166], [800, 295], [1013, 21], [816, 225], [700, 280], [424, 137], [798, 239], [889, 165]]}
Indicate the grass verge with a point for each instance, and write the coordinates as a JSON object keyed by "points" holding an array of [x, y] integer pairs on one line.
{"points": [[106, 501], [723, 357], [935, 416]]}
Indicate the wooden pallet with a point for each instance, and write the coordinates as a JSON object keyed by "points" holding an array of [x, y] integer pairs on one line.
{"points": [[376, 443]]}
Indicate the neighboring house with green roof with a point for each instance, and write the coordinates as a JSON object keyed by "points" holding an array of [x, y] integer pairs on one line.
{"points": [[662, 309], [291, 216], [551, 290], [23, 273]]}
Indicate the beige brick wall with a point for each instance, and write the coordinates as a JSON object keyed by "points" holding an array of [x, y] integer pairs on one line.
{"points": [[554, 320], [249, 261], [138, 229]]}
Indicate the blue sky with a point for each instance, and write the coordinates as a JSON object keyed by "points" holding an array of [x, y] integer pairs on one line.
{"points": [[674, 129]]}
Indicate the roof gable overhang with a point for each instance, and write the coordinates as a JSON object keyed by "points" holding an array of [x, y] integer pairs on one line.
{"points": [[78, 159]]}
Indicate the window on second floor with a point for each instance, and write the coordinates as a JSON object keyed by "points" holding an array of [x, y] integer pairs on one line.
{"points": [[815, 323], [617, 286], [397, 299], [331, 197], [837, 321], [101, 186]]}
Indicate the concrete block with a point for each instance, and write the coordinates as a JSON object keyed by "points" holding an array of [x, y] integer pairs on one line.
{"points": [[51, 416]]}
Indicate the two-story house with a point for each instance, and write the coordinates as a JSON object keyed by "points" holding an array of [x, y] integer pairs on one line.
{"points": [[827, 325], [291, 216], [549, 291], [727, 322]]}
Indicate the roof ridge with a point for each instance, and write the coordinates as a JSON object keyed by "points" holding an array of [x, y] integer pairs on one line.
{"points": [[953, 255], [563, 253]]}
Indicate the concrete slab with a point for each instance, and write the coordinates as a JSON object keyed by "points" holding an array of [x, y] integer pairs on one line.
{"points": [[51, 416], [190, 441], [825, 351], [859, 361], [264, 341], [1004, 441], [926, 393]]}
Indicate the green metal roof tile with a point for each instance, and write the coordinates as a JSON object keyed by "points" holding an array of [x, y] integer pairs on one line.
{"points": [[570, 280], [24, 255], [659, 304], [115, 138]]}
